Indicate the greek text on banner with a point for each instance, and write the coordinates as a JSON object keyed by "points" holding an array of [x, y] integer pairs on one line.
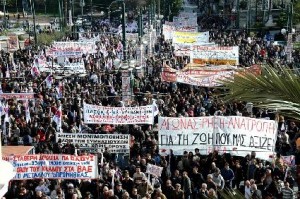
{"points": [[116, 143], [94, 114], [54, 166], [232, 134]]}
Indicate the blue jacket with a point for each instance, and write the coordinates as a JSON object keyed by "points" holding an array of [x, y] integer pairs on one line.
{"points": [[227, 174]]}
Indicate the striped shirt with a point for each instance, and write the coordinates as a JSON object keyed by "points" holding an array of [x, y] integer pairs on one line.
{"points": [[287, 193]]}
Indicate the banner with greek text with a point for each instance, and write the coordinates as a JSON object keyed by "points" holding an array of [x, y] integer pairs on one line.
{"points": [[216, 55], [154, 170], [54, 166], [19, 96], [94, 143], [190, 37], [94, 114], [185, 49], [212, 80], [227, 134], [71, 49], [204, 78]]}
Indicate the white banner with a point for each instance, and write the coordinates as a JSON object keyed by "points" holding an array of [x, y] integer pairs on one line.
{"points": [[168, 31], [216, 55], [94, 143], [69, 68], [94, 114], [232, 134], [204, 81], [190, 37], [54, 166], [71, 49], [185, 49]]}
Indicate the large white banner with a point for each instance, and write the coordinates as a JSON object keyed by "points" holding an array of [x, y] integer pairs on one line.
{"points": [[54, 166], [66, 68], [94, 114], [190, 37], [233, 134], [185, 49], [208, 80], [216, 55], [94, 143], [71, 49]]}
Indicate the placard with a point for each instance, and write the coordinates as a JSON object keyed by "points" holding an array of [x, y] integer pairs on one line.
{"points": [[227, 134], [54, 166], [94, 114], [116, 143], [216, 55], [154, 170], [190, 37], [18, 96]]}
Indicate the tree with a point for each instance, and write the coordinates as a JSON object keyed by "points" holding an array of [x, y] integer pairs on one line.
{"points": [[277, 88], [284, 15]]}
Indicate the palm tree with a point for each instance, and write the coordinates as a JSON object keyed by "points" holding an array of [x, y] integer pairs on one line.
{"points": [[277, 88]]}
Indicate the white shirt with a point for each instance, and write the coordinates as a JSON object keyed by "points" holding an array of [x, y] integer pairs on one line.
{"points": [[248, 192]]}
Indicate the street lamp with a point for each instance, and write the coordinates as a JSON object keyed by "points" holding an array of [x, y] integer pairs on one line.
{"points": [[123, 26]]}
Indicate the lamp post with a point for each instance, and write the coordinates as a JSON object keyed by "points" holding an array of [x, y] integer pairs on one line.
{"points": [[123, 26]]}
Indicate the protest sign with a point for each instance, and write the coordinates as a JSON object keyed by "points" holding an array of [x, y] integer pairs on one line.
{"points": [[216, 55], [190, 37], [13, 42], [168, 31], [208, 80], [231, 134], [116, 143], [154, 170], [289, 160], [54, 166], [168, 74], [94, 114], [18, 96], [71, 49], [185, 49]]}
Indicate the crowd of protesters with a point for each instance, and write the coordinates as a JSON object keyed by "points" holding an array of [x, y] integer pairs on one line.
{"points": [[190, 176]]}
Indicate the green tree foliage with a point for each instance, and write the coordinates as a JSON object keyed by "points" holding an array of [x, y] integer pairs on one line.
{"points": [[277, 88], [284, 15]]}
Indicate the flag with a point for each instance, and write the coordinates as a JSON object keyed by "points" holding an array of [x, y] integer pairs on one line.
{"points": [[27, 112], [49, 81], [59, 89], [57, 118], [155, 108], [35, 72]]}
